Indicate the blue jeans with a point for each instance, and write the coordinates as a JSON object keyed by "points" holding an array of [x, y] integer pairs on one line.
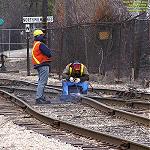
{"points": [[43, 72], [66, 84]]}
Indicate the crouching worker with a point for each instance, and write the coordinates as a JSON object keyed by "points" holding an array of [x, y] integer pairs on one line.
{"points": [[75, 74]]}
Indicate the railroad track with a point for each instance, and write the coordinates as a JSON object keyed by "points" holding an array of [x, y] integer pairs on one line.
{"points": [[78, 113], [28, 94], [136, 106], [132, 92], [22, 114]]}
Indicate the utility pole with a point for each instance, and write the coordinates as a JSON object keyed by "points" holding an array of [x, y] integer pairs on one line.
{"points": [[44, 22], [45, 14], [28, 55]]}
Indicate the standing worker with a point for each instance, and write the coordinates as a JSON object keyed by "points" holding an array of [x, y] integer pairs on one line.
{"points": [[41, 58], [75, 74]]}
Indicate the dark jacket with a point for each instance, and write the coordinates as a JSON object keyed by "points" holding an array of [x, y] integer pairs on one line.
{"points": [[44, 50]]}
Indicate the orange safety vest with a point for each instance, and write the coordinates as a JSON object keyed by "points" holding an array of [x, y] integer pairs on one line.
{"points": [[71, 69], [37, 56]]}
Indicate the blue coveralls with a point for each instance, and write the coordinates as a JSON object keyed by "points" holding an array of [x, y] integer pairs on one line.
{"points": [[84, 85]]}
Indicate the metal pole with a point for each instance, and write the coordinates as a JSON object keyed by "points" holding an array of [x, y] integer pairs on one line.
{"points": [[44, 14], [61, 53], [28, 58], [3, 68], [9, 41], [85, 44]]}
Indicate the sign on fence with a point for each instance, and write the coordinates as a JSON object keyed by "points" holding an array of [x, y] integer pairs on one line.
{"points": [[1, 21], [36, 19], [27, 27]]}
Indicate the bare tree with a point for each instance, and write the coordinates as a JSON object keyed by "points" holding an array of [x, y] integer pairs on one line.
{"points": [[13, 11], [89, 11]]}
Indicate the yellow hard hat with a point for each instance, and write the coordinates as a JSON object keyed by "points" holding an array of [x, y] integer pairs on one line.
{"points": [[37, 32]]}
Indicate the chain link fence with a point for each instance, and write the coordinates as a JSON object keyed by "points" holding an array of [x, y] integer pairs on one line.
{"points": [[120, 50], [109, 50], [12, 39]]}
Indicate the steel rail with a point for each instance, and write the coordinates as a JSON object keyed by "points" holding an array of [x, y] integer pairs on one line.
{"points": [[13, 89], [95, 90], [27, 83], [113, 91], [116, 112], [121, 143], [132, 103], [100, 91]]}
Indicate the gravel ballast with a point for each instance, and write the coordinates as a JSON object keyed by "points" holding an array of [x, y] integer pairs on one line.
{"points": [[14, 137]]}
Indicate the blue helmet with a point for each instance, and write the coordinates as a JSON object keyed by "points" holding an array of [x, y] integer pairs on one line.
{"points": [[76, 62]]}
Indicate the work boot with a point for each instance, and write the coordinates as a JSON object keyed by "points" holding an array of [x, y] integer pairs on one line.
{"points": [[42, 101], [64, 98], [47, 102]]}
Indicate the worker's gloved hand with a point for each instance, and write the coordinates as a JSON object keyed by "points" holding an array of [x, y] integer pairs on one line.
{"points": [[71, 79], [77, 80], [63, 80]]}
